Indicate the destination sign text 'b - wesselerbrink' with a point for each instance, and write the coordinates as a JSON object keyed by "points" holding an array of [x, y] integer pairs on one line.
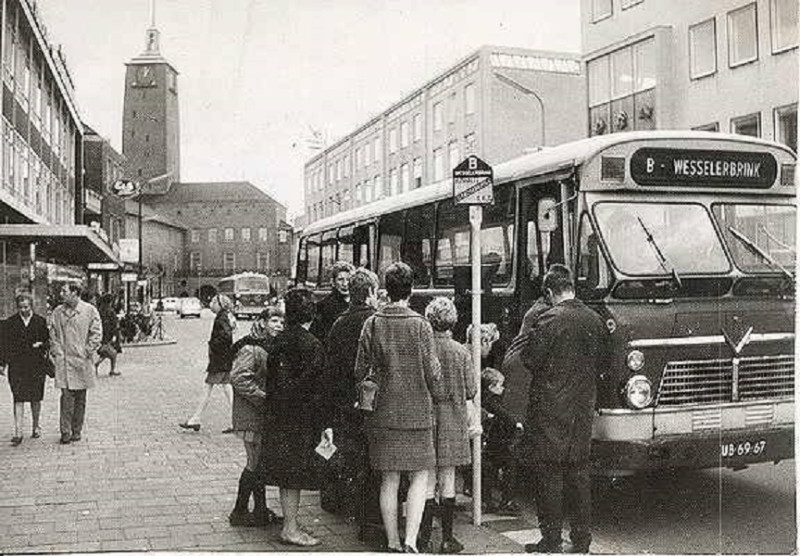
{"points": [[651, 166]]}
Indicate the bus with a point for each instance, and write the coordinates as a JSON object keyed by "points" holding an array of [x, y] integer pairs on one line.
{"points": [[249, 291], [683, 242]]}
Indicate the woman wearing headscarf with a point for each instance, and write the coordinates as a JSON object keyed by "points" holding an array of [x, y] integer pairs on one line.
{"points": [[397, 344], [220, 358]]}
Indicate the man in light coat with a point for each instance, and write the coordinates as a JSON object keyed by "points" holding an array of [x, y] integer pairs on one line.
{"points": [[75, 334]]}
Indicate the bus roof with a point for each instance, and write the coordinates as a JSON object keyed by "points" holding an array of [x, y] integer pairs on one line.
{"points": [[548, 160], [244, 275]]}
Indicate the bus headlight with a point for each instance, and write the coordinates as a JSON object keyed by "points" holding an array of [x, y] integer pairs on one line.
{"points": [[635, 360], [638, 392]]}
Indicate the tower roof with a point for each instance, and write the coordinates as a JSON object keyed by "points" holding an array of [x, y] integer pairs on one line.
{"points": [[152, 52]]}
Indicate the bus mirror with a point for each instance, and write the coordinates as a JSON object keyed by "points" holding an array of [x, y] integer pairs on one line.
{"points": [[547, 220]]}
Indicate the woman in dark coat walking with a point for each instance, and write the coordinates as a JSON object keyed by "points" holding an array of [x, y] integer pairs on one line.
{"points": [[296, 413], [397, 343], [220, 358], [110, 346], [26, 341]]}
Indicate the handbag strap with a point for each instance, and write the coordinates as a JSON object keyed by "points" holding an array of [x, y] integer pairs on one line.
{"points": [[371, 370]]}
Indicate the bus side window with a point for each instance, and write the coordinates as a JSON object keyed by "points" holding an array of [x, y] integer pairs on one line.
{"points": [[417, 252], [312, 275], [302, 262], [593, 276], [390, 230], [346, 247], [361, 246], [452, 241], [329, 242]]}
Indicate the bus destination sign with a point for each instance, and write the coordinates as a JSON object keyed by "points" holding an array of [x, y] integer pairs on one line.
{"points": [[703, 168]]}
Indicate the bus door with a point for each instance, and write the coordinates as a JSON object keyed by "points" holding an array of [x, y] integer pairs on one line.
{"points": [[540, 241]]}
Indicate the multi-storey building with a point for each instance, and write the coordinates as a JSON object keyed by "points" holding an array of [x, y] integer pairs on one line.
{"points": [[41, 164], [721, 65], [496, 103]]}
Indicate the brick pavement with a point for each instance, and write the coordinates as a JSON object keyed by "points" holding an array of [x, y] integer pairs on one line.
{"points": [[137, 482]]}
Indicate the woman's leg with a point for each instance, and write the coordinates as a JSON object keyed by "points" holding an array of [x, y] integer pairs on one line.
{"points": [[291, 532], [446, 477], [228, 389], [415, 504], [426, 524], [36, 410], [201, 406], [447, 493], [390, 483], [112, 356], [19, 418]]}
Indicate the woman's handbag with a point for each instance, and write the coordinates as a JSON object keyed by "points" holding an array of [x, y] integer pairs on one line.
{"points": [[367, 388], [474, 427]]}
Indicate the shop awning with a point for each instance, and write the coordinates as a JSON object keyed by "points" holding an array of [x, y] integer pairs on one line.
{"points": [[76, 245]]}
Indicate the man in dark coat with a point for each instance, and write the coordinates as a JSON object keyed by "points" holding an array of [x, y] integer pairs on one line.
{"points": [[565, 353], [337, 496], [335, 303]]}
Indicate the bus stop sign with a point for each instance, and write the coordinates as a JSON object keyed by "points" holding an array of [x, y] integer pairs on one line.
{"points": [[473, 182]]}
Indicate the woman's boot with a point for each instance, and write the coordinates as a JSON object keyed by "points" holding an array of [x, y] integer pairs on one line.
{"points": [[426, 525], [240, 516], [262, 515], [449, 544]]}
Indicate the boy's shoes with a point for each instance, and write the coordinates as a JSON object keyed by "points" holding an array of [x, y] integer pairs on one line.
{"points": [[241, 519], [544, 546], [264, 518]]}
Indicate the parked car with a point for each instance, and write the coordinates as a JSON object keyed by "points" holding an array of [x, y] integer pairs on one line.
{"points": [[189, 307], [168, 304]]}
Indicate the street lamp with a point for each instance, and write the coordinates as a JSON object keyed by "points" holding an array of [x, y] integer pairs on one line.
{"points": [[520, 87]]}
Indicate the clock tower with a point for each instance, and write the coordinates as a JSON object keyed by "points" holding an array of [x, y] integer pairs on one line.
{"points": [[150, 122]]}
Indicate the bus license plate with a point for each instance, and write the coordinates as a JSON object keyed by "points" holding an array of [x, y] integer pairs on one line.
{"points": [[746, 448]]}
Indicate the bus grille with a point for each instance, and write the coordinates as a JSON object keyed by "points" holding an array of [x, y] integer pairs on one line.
{"points": [[711, 380]]}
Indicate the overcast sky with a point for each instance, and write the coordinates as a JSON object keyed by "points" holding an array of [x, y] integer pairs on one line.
{"points": [[257, 75]]}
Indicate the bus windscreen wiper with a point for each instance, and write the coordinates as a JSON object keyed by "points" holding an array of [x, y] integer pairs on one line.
{"points": [[665, 263], [753, 248]]}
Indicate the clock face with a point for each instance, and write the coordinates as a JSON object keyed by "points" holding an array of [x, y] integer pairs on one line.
{"points": [[144, 76]]}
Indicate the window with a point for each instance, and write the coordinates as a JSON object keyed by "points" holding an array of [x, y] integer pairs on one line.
{"points": [[262, 234], [393, 181], [644, 65], [621, 73], [417, 173], [742, 36], [405, 177], [438, 117], [599, 81], [593, 276], [378, 192], [195, 261], [470, 144], [404, 134], [747, 125], [707, 127], [212, 235], [329, 243], [786, 126], [451, 108], [703, 49], [262, 261], [346, 241], [417, 244], [228, 234], [376, 149], [245, 234], [452, 241], [601, 9], [417, 121], [629, 3], [393, 140], [469, 98], [229, 262], [783, 24], [195, 236], [312, 270], [390, 229], [438, 164], [453, 153]]}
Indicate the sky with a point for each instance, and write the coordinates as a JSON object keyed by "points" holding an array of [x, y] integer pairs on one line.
{"points": [[257, 76]]}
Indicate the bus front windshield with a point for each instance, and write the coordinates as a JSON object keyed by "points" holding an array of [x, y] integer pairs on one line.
{"points": [[657, 239], [761, 238]]}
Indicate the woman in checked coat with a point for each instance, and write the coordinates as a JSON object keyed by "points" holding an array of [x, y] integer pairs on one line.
{"points": [[397, 343]]}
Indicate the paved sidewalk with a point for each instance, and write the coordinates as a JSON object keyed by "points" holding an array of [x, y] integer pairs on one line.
{"points": [[138, 482]]}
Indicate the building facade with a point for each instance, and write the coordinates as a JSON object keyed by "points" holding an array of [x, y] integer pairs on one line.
{"points": [[496, 103], [720, 65], [41, 189], [230, 227]]}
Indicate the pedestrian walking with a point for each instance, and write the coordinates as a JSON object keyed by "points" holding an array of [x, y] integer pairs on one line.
{"points": [[110, 346], [335, 303], [75, 334], [397, 345], [220, 358], [249, 380], [564, 354], [296, 413], [24, 351], [340, 492], [451, 437]]}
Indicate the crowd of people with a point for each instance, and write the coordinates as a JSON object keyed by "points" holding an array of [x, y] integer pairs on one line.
{"points": [[293, 384]]}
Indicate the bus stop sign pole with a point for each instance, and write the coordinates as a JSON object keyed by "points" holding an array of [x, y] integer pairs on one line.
{"points": [[473, 185]]}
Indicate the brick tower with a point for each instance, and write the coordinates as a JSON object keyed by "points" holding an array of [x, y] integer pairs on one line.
{"points": [[150, 122]]}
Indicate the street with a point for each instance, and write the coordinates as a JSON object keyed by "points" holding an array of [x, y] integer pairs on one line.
{"points": [[138, 482]]}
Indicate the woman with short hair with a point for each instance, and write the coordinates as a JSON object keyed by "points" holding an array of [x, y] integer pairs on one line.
{"points": [[25, 345], [397, 344], [220, 358]]}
